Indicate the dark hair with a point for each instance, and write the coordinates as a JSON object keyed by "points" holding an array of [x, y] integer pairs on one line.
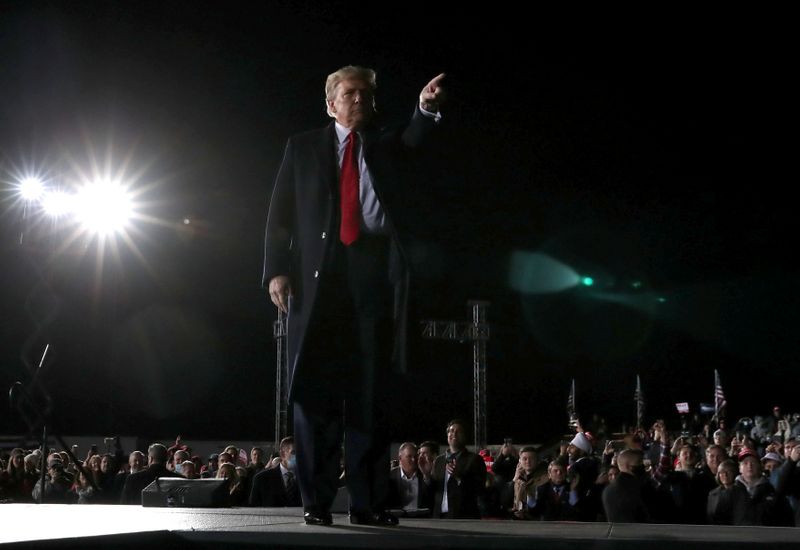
{"points": [[456, 421], [432, 445], [527, 449]]}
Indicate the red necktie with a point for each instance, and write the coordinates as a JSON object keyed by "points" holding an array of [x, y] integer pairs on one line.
{"points": [[348, 193]]}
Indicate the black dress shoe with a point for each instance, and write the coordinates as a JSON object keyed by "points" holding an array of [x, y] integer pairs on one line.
{"points": [[384, 519], [318, 518]]}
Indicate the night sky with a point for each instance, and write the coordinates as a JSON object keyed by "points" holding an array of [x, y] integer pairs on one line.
{"points": [[642, 150]]}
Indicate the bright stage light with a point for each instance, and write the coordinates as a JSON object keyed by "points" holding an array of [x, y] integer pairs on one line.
{"points": [[103, 207], [58, 203], [31, 189]]}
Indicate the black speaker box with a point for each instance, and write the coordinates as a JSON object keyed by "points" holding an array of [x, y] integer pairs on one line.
{"points": [[169, 492]]}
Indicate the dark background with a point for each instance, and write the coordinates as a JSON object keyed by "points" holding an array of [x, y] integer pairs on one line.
{"points": [[629, 146]]}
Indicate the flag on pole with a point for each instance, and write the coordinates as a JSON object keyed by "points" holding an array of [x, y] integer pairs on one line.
{"points": [[573, 416], [638, 397], [719, 398]]}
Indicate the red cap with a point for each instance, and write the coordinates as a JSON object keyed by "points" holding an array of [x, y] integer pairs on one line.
{"points": [[745, 452]]}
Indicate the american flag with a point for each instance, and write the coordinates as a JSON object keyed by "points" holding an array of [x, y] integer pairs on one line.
{"points": [[573, 416], [719, 397], [638, 396]]}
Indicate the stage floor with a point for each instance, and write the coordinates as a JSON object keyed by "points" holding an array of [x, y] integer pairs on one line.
{"points": [[62, 526]]}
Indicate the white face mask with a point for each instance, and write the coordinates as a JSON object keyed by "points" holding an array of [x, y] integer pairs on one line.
{"points": [[179, 468]]}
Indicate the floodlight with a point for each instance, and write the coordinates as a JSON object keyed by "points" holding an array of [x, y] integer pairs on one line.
{"points": [[103, 207], [31, 189]]}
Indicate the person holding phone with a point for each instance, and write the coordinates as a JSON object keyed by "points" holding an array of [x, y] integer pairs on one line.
{"points": [[505, 465]]}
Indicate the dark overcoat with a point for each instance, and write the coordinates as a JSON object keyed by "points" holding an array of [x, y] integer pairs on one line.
{"points": [[303, 221]]}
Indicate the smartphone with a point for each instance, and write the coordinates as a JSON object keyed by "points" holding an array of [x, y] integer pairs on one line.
{"points": [[94, 448]]}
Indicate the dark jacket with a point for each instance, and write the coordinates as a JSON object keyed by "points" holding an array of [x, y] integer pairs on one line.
{"points": [[135, 484], [268, 489], [623, 502], [761, 505], [551, 506], [303, 224], [464, 489]]}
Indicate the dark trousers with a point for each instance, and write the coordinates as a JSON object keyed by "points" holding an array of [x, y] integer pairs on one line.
{"points": [[346, 382]]}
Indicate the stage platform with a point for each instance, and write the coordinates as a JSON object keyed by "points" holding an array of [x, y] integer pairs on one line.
{"points": [[96, 526]]}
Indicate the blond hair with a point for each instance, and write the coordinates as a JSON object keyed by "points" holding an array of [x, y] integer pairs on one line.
{"points": [[349, 71]]}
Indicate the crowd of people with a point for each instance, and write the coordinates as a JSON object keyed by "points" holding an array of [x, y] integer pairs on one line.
{"points": [[745, 475]]}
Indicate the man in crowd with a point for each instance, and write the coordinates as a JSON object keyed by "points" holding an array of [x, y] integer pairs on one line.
{"points": [[156, 467], [524, 483], [426, 455], [623, 500], [686, 483], [459, 477], [407, 488], [555, 500], [277, 487], [753, 500], [583, 470]]}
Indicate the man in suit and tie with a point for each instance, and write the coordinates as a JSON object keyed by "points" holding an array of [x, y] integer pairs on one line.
{"points": [[334, 262], [459, 476], [555, 499], [277, 487]]}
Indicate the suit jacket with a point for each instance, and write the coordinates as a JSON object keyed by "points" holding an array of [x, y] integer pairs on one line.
{"points": [[425, 491], [302, 224], [464, 489], [623, 501], [552, 507], [135, 484], [269, 490]]}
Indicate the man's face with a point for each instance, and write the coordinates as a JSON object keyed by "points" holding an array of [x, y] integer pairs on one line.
{"points": [[181, 457], [687, 458], [136, 462], [770, 465], [557, 474], [750, 468], [408, 460], [528, 461], [256, 455], [573, 451], [456, 437], [286, 454], [714, 458], [352, 104], [425, 456], [105, 464]]}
